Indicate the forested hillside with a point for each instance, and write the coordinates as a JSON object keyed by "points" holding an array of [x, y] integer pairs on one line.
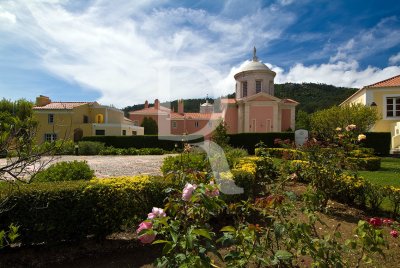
{"points": [[312, 97]]}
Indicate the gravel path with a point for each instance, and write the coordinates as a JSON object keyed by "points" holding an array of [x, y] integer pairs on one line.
{"points": [[110, 166]]}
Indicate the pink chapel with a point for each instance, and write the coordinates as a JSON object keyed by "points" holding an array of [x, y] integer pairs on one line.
{"points": [[254, 109]]}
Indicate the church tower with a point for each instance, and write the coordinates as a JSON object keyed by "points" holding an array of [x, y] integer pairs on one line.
{"points": [[253, 78]]}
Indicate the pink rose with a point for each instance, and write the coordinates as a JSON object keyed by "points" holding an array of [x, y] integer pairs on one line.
{"points": [[375, 222], [394, 233], [156, 212], [387, 221], [145, 238], [188, 191]]}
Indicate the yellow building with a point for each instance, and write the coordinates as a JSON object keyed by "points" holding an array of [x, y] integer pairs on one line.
{"points": [[74, 120], [385, 96]]}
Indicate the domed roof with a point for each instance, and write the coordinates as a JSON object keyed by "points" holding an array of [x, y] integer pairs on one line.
{"points": [[254, 66]]}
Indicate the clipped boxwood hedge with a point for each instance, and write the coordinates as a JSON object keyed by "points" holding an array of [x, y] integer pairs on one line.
{"points": [[66, 211], [366, 163], [248, 141], [146, 141]]}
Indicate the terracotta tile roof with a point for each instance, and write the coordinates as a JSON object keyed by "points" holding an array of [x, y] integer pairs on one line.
{"points": [[176, 116], [202, 116], [230, 101], [60, 105], [391, 82], [151, 110], [289, 101]]}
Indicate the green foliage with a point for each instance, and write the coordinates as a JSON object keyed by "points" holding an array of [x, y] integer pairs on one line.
{"points": [[131, 151], [220, 136], [324, 122], [233, 155], [66, 171], [72, 210], [167, 143], [185, 162], [366, 163], [90, 148], [313, 97], [302, 120], [374, 194], [185, 231], [150, 126], [284, 153], [8, 237], [248, 141]]}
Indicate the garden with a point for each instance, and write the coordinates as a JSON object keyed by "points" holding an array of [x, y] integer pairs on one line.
{"points": [[332, 202], [320, 205]]}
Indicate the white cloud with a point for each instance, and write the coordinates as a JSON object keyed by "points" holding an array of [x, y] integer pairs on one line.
{"points": [[6, 18], [131, 51], [394, 59], [384, 35], [346, 74]]}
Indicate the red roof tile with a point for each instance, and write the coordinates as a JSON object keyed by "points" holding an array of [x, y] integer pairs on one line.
{"points": [[391, 82], [202, 116], [228, 101], [289, 101], [61, 105]]}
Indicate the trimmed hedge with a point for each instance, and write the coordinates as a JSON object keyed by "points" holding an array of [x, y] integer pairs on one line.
{"points": [[248, 141], [146, 141], [284, 153], [66, 171], [73, 210], [367, 163], [379, 141]]}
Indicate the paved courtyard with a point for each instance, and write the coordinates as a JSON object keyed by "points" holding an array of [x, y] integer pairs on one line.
{"points": [[109, 166]]}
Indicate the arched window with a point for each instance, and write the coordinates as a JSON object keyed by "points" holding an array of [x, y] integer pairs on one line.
{"points": [[99, 119]]}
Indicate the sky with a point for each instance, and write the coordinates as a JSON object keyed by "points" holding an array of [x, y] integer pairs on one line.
{"points": [[123, 52]]}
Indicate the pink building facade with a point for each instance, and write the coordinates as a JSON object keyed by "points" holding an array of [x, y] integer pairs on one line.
{"points": [[254, 109]]}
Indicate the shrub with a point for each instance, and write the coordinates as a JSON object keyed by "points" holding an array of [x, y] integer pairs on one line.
{"points": [[147, 141], [284, 153], [349, 189], [367, 163], [66, 171], [361, 152], [90, 148], [185, 162], [248, 141], [65, 211], [375, 194], [234, 154], [299, 167]]}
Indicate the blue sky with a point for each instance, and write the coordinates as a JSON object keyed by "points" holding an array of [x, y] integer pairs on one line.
{"points": [[123, 52]]}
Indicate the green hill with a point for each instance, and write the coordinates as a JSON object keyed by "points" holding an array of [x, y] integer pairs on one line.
{"points": [[312, 97]]}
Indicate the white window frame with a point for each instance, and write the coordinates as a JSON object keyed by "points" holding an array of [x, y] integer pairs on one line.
{"points": [[385, 97], [50, 137], [50, 118]]}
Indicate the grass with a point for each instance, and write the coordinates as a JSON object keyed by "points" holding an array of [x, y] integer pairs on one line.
{"points": [[389, 174]]}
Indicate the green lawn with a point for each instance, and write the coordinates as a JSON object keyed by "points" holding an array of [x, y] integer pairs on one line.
{"points": [[389, 174]]}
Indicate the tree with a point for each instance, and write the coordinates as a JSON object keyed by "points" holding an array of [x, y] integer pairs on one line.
{"points": [[302, 120], [220, 136], [150, 126], [324, 122]]}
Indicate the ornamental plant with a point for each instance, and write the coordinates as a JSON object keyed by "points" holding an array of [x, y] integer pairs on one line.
{"points": [[183, 227]]}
